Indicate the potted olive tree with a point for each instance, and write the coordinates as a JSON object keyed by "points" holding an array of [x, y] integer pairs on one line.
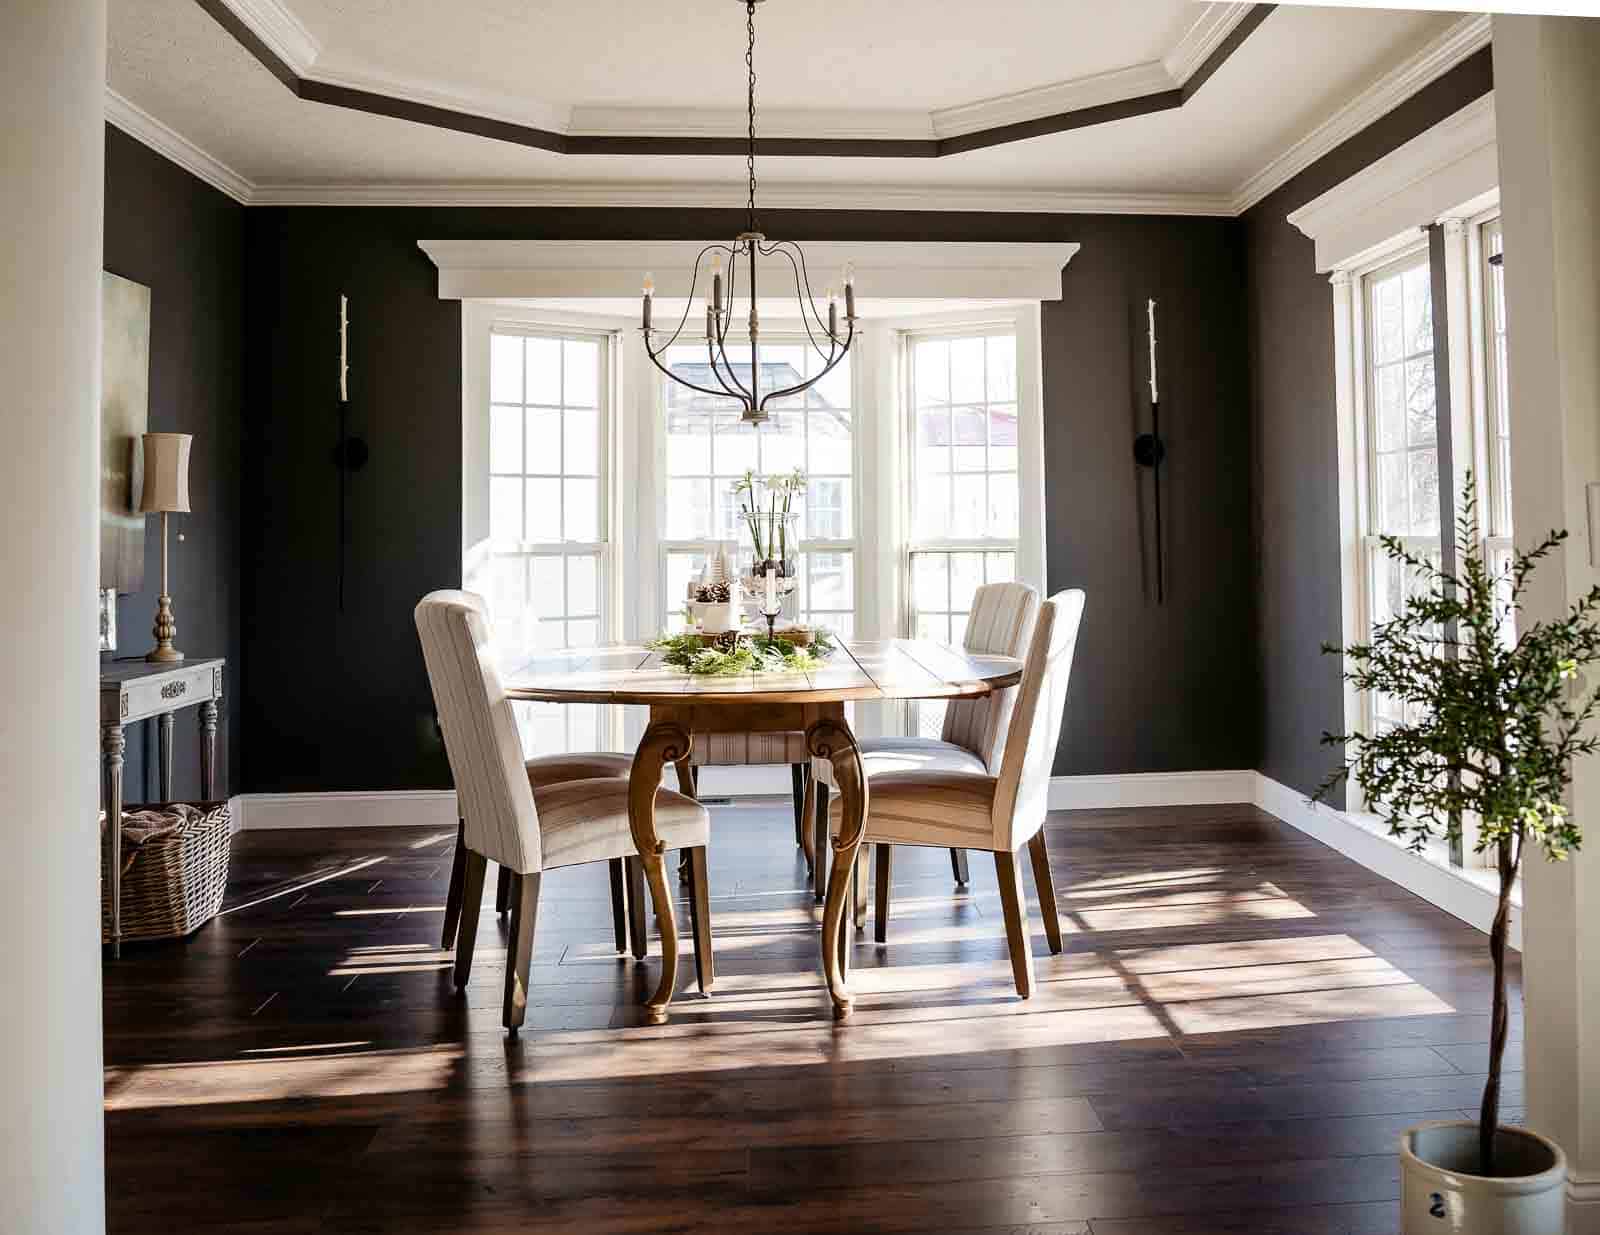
{"points": [[1492, 723]]}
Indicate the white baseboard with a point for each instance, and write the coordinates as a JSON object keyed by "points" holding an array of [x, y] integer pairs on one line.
{"points": [[1467, 895], [390, 808], [1583, 1206], [1151, 789]]}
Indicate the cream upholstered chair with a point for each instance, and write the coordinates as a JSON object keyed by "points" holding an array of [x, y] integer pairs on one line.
{"points": [[971, 809], [504, 821], [999, 624]]}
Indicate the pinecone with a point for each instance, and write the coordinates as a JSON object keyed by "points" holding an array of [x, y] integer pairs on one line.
{"points": [[714, 594]]}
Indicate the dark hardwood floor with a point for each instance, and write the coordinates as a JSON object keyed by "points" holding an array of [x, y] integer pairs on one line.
{"points": [[1240, 1026]]}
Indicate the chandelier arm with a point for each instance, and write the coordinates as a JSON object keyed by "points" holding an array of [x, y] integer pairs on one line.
{"points": [[826, 369], [734, 392], [791, 250], [747, 396], [694, 281], [805, 299], [715, 394]]}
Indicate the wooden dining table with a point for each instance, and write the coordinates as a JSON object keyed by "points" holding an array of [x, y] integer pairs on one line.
{"points": [[683, 707]]}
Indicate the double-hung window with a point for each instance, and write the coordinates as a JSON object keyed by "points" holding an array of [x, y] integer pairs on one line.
{"points": [[708, 449], [964, 495], [1400, 421], [548, 553]]}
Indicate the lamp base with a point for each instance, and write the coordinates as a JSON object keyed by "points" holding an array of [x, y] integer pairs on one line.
{"points": [[165, 630]]}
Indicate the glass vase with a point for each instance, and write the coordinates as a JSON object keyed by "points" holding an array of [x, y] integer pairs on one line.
{"points": [[769, 540]]}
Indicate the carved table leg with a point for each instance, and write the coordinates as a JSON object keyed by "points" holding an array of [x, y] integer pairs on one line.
{"points": [[830, 738], [164, 740], [665, 741], [208, 749], [112, 743]]}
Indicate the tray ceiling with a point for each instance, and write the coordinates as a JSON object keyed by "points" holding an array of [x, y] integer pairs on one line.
{"points": [[900, 69]]}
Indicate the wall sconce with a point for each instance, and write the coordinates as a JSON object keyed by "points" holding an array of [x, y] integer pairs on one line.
{"points": [[1149, 451]]}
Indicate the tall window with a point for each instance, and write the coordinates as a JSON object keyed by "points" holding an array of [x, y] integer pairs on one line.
{"points": [[708, 449], [1401, 430], [549, 551], [964, 493]]}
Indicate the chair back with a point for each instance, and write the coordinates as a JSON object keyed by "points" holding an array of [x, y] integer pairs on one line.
{"points": [[480, 732], [1023, 792], [1001, 620]]}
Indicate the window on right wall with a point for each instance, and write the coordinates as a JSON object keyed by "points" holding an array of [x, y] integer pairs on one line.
{"points": [[1399, 409]]}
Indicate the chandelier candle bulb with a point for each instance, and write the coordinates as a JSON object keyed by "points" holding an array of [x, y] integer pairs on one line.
{"points": [[850, 291], [833, 314], [716, 283]]}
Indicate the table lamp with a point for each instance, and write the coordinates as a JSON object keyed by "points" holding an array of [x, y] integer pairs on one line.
{"points": [[166, 489]]}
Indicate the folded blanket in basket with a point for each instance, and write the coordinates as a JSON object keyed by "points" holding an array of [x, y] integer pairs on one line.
{"points": [[139, 827]]}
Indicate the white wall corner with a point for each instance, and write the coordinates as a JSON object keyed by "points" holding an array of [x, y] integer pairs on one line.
{"points": [[1454, 162]]}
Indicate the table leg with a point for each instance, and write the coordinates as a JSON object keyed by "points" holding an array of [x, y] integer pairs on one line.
{"points": [[164, 745], [830, 738], [112, 744], [208, 750], [665, 741]]}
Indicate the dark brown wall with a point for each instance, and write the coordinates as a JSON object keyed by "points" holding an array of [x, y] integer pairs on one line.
{"points": [[1296, 483], [1150, 683], [185, 241]]}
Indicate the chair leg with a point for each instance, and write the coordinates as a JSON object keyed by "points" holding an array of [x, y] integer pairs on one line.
{"points": [[1047, 891], [880, 922], [797, 781], [861, 885], [476, 867], [958, 865], [808, 811], [819, 845], [452, 900], [502, 892], [519, 955], [637, 935], [700, 919], [619, 904], [1015, 904]]}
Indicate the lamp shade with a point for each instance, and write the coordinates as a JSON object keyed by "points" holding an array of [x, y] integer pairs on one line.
{"points": [[166, 472]]}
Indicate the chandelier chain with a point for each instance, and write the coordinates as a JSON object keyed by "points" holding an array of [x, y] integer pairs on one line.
{"points": [[750, 69]]}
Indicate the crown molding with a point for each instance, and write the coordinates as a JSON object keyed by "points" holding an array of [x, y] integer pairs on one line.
{"points": [[477, 269], [1202, 39], [271, 31], [1114, 86], [1432, 61], [276, 25], [731, 195], [1428, 178], [333, 70], [142, 126]]}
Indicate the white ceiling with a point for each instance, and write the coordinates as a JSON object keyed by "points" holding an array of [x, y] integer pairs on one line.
{"points": [[826, 67]]}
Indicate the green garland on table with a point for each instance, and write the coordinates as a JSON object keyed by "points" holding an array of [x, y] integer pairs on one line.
{"points": [[740, 653]]}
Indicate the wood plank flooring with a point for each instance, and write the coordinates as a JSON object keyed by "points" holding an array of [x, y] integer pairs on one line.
{"points": [[1239, 1028]]}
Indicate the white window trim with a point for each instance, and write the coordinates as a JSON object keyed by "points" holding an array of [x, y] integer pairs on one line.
{"points": [[1468, 393]]}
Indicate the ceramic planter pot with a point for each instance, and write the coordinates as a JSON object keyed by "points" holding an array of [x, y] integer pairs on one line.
{"points": [[1441, 1193], [717, 618]]}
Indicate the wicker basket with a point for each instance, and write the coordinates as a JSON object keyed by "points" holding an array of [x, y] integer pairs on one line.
{"points": [[173, 883]]}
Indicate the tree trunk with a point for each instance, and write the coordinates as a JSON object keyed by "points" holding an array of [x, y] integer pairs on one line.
{"points": [[1489, 1117]]}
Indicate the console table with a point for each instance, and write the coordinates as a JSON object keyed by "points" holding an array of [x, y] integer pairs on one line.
{"points": [[135, 690]]}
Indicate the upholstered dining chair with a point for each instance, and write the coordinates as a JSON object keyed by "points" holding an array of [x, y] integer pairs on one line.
{"points": [[505, 821], [999, 624], [971, 808]]}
